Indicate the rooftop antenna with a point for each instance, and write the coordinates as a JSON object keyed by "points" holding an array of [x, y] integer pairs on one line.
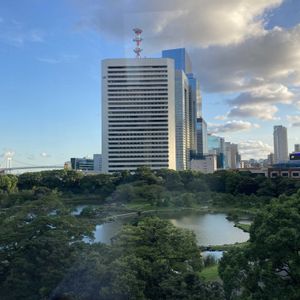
{"points": [[138, 40]]}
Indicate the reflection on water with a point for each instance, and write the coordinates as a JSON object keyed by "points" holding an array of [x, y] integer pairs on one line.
{"points": [[216, 254], [105, 232], [210, 229]]}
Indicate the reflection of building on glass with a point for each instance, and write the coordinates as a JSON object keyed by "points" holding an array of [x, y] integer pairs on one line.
{"points": [[202, 142], [216, 145], [188, 104]]}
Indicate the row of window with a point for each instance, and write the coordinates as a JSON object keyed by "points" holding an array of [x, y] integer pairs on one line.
{"points": [[147, 125], [136, 80], [285, 174], [130, 90], [149, 86], [138, 67], [139, 72], [137, 112], [162, 117], [133, 102], [148, 139], [130, 161], [138, 75], [138, 94], [137, 107], [144, 156]]}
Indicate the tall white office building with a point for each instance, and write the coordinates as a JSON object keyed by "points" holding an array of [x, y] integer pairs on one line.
{"points": [[138, 114], [280, 144]]}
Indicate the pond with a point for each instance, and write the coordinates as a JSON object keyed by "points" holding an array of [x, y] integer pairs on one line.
{"points": [[209, 228]]}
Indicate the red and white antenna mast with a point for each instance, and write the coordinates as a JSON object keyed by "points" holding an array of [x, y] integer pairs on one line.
{"points": [[138, 40]]}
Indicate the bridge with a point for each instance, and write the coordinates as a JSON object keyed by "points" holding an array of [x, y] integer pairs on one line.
{"points": [[6, 165], [33, 167]]}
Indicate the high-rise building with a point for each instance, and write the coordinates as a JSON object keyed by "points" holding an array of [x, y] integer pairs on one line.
{"points": [[216, 145], [138, 114], [187, 106], [202, 144], [232, 156], [280, 144]]}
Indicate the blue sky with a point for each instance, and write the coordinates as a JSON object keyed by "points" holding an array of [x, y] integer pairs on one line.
{"points": [[245, 54]]}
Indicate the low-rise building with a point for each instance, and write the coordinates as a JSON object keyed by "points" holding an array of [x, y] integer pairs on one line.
{"points": [[206, 164], [87, 164]]}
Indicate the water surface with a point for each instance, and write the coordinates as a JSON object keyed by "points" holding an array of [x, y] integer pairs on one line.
{"points": [[209, 228]]}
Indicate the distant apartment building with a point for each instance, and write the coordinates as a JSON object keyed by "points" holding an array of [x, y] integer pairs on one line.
{"points": [[297, 148], [87, 164], [138, 114], [82, 164], [232, 156], [280, 144]]}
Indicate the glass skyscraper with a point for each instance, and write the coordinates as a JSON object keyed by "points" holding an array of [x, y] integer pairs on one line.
{"points": [[216, 145]]}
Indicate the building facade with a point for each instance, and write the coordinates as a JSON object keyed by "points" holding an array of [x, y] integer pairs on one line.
{"points": [[281, 153], [206, 165], [138, 114], [216, 145], [188, 106], [232, 156]]}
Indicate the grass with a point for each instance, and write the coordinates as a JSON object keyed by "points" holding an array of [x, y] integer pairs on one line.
{"points": [[210, 273], [244, 227]]}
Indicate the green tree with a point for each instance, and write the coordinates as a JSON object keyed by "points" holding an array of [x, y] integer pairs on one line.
{"points": [[269, 268], [38, 242], [8, 183]]}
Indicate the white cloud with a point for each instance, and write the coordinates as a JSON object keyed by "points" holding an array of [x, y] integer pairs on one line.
{"points": [[231, 126], [269, 61], [260, 111], [44, 155], [172, 23], [254, 149], [272, 93], [294, 120], [17, 34]]}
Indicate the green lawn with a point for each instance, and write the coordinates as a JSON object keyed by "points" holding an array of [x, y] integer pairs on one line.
{"points": [[210, 273], [244, 227]]}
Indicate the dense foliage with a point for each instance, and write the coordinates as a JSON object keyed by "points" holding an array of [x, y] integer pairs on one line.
{"points": [[269, 268], [151, 259], [159, 188], [43, 256]]}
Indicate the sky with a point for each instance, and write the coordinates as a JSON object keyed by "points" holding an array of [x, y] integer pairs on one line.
{"points": [[245, 53]]}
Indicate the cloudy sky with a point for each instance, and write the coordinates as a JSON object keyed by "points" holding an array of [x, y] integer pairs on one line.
{"points": [[246, 54]]}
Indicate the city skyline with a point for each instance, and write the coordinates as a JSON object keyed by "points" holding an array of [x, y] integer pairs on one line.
{"points": [[50, 75]]}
